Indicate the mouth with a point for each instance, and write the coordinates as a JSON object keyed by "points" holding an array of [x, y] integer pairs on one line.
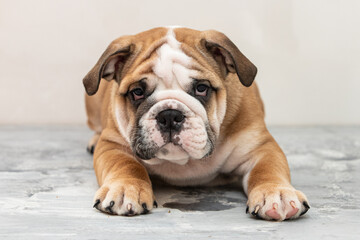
{"points": [[168, 152], [173, 153], [170, 149], [170, 137]]}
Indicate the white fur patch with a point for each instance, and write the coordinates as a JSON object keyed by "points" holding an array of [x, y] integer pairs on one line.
{"points": [[172, 64], [173, 153], [245, 181], [180, 96]]}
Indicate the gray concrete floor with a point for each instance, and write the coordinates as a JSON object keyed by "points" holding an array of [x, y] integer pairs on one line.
{"points": [[47, 185]]}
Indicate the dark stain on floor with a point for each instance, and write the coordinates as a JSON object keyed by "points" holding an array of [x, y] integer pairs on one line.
{"points": [[205, 199]]}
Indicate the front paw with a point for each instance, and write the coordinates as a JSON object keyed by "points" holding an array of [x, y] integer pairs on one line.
{"points": [[125, 197], [276, 202]]}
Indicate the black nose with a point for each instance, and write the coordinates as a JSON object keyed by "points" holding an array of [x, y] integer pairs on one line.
{"points": [[170, 120]]}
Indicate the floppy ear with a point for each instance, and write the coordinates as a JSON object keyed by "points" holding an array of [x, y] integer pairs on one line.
{"points": [[229, 56], [110, 64]]}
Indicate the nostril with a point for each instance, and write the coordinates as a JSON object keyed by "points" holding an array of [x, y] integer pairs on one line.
{"points": [[161, 120], [179, 118]]}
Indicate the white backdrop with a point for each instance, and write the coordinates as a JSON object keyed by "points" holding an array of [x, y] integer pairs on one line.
{"points": [[307, 52]]}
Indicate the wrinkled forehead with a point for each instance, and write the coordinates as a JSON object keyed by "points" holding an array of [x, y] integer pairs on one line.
{"points": [[169, 62], [172, 65]]}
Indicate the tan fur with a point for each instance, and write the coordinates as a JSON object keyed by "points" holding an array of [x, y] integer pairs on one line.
{"points": [[244, 148]]}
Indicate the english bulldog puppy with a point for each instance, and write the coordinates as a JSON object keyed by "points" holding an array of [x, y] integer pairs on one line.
{"points": [[180, 104]]}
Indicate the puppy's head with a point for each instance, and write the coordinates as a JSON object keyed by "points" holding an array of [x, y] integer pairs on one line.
{"points": [[170, 99]]}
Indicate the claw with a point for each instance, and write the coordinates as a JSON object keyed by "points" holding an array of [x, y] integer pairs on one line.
{"points": [[275, 206], [255, 212], [292, 203], [257, 209], [155, 204], [247, 210], [307, 207], [91, 149], [145, 208], [129, 206], [108, 208], [96, 203], [130, 210]]}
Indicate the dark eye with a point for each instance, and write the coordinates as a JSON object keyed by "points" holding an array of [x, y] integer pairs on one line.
{"points": [[137, 93], [201, 90]]}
